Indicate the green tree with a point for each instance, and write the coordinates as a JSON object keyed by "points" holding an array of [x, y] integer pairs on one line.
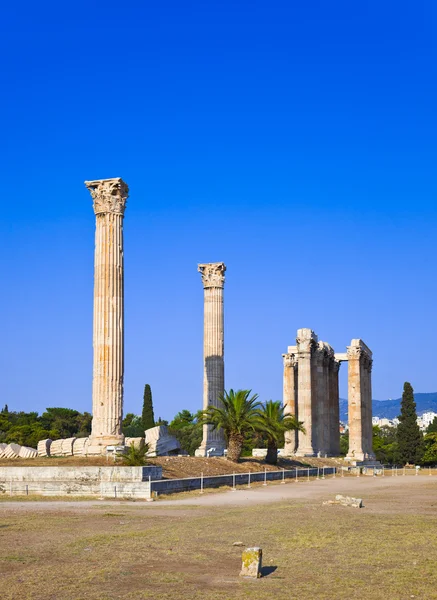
{"points": [[430, 444], [187, 429], [132, 426], [432, 427], [385, 444], [274, 422], [237, 414], [147, 416], [409, 437], [344, 443]]}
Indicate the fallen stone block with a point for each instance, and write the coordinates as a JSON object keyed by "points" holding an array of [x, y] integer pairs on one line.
{"points": [[43, 447], [2, 450], [67, 446], [12, 451], [26, 452], [80, 446], [138, 442], [56, 448], [160, 442], [251, 562]]}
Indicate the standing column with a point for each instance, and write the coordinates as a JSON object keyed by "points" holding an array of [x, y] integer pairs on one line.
{"points": [[334, 408], [306, 343], [368, 429], [213, 280], [358, 411], [109, 197], [289, 399]]}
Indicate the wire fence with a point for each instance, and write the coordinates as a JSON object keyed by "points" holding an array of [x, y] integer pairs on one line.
{"points": [[152, 488]]}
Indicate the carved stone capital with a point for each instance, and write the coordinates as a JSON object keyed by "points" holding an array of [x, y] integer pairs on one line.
{"points": [[213, 274], [109, 195], [290, 361]]}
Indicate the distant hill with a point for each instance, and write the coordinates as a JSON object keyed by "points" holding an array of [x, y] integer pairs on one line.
{"points": [[389, 409]]}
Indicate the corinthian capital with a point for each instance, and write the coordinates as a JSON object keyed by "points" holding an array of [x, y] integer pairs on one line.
{"points": [[109, 195], [213, 274], [289, 360]]}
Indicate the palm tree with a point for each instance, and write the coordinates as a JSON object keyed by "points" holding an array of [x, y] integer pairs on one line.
{"points": [[237, 414], [274, 423]]}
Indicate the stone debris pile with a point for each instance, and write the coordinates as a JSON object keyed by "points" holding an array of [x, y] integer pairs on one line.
{"points": [[12, 451]]}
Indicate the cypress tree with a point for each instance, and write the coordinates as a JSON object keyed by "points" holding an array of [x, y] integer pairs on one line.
{"points": [[409, 436], [147, 416]]}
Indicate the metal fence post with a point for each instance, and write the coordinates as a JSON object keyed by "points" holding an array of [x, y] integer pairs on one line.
{"points": [[308, 472], [234, 489], [323, 472], [248, 480], [27, 490], [403, 474], [115, 491], [201, 483], [283, 476], [296, 475], [265, 476]]}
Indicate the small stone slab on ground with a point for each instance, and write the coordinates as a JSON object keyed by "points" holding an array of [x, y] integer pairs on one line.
{"points": [[346, 501], [251, 562]]}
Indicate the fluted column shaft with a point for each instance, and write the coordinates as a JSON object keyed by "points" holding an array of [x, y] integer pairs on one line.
{"points": [[289, 399], [108, 332], [334, 408], [306, 342], [213, 353], [359, 401]]}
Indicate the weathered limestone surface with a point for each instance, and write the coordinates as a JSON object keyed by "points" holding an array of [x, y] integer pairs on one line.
{"points": [[359, 401], [109, 197], [213, 279], [12, 451], [138, 442], [80, 446], [26, 452], [311, 393], [160, 442], [306, 347], [290, 399], [56, 448], [43, 447], [251, 562]]}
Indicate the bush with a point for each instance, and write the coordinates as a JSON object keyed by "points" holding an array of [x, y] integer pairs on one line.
{"points": [[136, 457]]}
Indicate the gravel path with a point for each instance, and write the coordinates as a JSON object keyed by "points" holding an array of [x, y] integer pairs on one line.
{"points": [[315, 489]]}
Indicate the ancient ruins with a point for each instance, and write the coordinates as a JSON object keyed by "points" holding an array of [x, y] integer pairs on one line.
{"points": [[311, 393], [213, 279], [310, 384], [109, 197]]}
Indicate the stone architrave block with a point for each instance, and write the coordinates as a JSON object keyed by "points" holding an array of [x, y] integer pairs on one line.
{"points": [[251, 562], [67, 446], [56, 448], [12, 451], [138, 442], [43, 447], [2, 450], [160, 442], [80, 446]]}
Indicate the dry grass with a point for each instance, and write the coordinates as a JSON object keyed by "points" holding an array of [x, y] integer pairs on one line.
{"points": [[385, 551]]}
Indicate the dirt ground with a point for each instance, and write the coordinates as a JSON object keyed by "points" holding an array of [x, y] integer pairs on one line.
{"points": [[182, 548], [178, 466]]}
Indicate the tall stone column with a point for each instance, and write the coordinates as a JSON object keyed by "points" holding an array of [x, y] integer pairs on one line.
{"points": [[334, 408], [368, 427], [290, 399], [306, 344], [213, 280], [109, 197], [359, 411]]}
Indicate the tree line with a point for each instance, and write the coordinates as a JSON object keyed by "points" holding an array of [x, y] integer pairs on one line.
{"points": [[247, 424]]}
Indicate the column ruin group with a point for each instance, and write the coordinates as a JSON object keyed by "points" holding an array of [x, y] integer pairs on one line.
{"points": [[311, 394], [311, 367]]}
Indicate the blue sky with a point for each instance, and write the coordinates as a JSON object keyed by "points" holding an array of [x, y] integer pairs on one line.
{"points": [[296, 142]]}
